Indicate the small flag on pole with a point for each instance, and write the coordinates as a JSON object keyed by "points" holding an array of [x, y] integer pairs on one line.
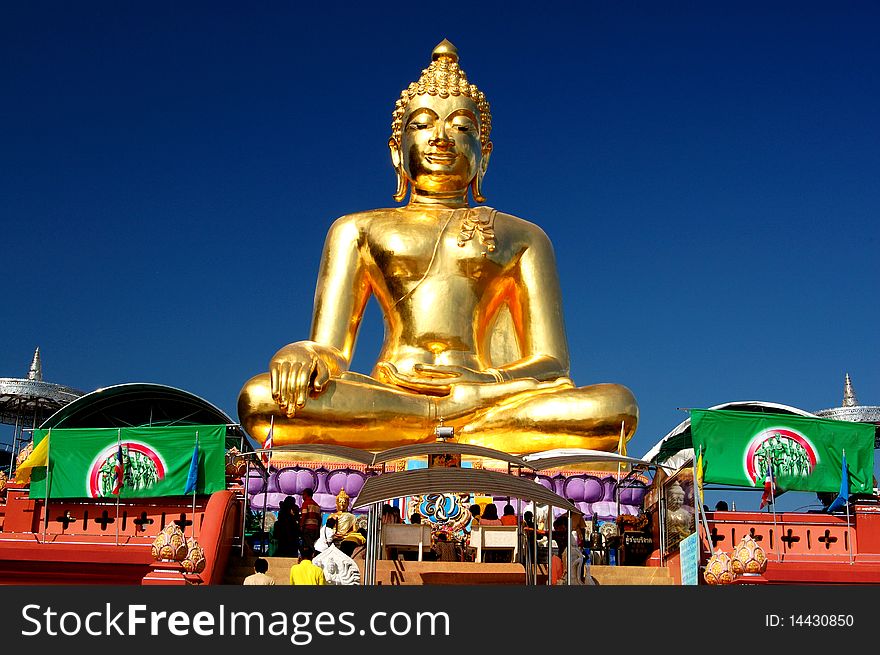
{"points": [[120, 471], [769, 486], [843, 495], [39, 457], [267, 444], [192, 478], [699, 474], [621, 446]]}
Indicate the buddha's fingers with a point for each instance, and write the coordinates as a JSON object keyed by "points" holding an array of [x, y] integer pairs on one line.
{"points": [[302, 384], [414, 383], [283, 376], [290, 390], [322, 375], [439, 371], [274, 387]]}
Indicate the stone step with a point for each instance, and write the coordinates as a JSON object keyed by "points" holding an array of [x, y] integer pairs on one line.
{"points": [[406, 573], [632, 575]]}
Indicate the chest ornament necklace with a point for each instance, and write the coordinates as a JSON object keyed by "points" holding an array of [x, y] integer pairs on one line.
{"points": [[481, 221]]}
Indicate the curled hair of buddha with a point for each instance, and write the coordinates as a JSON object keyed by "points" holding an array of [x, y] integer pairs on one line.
{"points": [[443, 78]]}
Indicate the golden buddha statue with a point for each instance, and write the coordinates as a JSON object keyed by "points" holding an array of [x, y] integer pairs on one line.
{"points": [[474, 333], [346, 522]]}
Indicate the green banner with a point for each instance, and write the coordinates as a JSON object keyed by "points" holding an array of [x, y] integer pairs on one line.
{"points": [[83, 462], [806, 453]]}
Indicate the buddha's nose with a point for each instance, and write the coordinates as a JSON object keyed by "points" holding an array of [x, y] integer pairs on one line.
{"points": [[440, 139]]}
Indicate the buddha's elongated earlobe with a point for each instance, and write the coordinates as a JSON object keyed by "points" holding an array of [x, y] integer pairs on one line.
{"points": [[477, 182], [402, 183]]}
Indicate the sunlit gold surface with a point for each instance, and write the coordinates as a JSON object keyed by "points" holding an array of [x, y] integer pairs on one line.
{"points": [[474, 330]]}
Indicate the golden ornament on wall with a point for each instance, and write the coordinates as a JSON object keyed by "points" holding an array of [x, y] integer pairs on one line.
{"points": [[236, 466], [749, 557], [718, 569], [170, 544], [194, 562]]}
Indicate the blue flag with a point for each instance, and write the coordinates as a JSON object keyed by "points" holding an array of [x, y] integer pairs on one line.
{"points": [[843, 496], [192, 478]]}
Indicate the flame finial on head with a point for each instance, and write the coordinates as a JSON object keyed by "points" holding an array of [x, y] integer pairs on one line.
{"points": [[445, 50]]}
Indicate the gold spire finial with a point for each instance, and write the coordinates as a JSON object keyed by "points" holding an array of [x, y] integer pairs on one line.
{"points": [[445, 50]]}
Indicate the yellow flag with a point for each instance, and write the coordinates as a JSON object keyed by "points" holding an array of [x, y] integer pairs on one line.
{"points": [[621, 445], [38, 457], [700, 476]]}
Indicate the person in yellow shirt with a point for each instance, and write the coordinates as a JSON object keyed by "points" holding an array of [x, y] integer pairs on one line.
{"points": [[305, 572]]}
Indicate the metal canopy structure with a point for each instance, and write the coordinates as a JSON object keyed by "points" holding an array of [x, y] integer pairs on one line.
{"points": [[444, 447], [31, 397], [456, 480], [850, 410], [679, 439], [449, 480], [370, 459], [137, 404], [26, 402], [21, 398], [143, 404], [552, 459], [356, 455]]}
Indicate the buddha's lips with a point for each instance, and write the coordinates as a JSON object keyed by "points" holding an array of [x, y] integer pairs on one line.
{"points": [[443, 158]]}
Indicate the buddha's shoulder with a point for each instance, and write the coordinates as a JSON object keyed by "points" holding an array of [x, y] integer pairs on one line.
{"points": [[512, 222], [364, 220], [530, 234]]}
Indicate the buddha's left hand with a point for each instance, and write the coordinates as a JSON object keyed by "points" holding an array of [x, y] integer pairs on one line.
{"points": [[434, 378]]}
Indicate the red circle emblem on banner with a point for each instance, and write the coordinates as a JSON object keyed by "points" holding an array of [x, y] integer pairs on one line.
{"points": [[110, 453], [766, 435]]}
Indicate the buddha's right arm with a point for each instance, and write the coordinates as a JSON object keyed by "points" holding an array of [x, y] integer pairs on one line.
{"points": [[341, 294]]}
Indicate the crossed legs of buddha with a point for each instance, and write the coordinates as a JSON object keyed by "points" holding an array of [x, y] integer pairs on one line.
{"points": [[517, 416]]}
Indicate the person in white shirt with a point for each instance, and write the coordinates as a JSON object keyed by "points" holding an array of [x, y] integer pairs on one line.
{"points": [[325, 535], [259, 576]]}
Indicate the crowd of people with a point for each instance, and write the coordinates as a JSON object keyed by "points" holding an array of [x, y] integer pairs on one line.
{"points": [[325, 549]]}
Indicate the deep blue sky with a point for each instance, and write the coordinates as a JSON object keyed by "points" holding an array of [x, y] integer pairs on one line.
{"points": [[709, 177]]}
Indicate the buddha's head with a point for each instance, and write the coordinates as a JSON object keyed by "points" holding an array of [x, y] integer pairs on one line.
{"points": [[674, 497], [440, 132], [342, 500]]}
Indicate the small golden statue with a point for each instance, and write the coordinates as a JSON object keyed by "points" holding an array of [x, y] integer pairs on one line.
{"points": [[474, 330], [346, 522]]}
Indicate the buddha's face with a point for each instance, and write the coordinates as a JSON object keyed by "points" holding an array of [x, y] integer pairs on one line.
{"points": [[675, 499], [440, 145], [341, 503]]}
